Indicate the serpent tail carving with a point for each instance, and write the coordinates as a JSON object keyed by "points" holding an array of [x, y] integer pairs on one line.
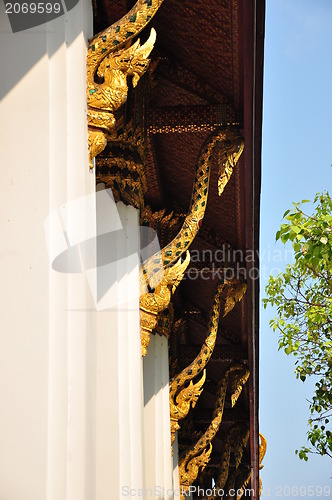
{"points": [[155, 268], [245, 478], [236, 441], [191, 462], [181, 395], [231, 144]]}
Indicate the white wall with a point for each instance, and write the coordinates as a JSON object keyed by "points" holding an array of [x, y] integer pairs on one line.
{"points": [[44, 388], [157, 435]]}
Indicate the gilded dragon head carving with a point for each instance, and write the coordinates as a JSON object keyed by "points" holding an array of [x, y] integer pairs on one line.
{"points": [[109, 88], [153, 303]]}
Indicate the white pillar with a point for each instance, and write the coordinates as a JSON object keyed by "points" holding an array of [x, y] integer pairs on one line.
{"points": [[119, 396], [176, 477], [157, 434]]}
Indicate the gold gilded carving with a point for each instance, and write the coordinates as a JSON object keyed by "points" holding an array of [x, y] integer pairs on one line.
{"points": [[122, 167], [236, 441], [109, 62], [152, 274], [262, 451], [188, 470], [113, 71], [240, 440], [246, 478], [165, 322], [242, 479], [235, 292], [228, 158], [181, 403], [231, 145], [182, 397], [197, 464], [165, 225], [153, 303], [125, 177], [97, 143]]}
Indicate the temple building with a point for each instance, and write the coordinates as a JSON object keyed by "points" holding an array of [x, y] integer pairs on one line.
{"points": [[131, 148]]}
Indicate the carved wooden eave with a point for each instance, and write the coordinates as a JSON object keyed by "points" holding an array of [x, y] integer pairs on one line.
{"points": [[207, 73]]}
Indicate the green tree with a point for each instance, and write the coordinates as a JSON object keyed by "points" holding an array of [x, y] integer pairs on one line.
{"points": [[302, 296]]}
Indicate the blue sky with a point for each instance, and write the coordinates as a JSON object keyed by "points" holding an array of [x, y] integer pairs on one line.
{"points": [[297, 154]]}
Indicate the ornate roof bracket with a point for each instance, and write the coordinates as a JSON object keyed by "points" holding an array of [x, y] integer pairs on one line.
{"points": [[154, 303], [181, 396], [109, 63], [159, 272], [167, 224], [196, 457], [236, 441], [231, 145], [179, 119], [245, 477], [124, 174]]}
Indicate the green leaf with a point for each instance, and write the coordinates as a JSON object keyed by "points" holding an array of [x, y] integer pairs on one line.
{"points": [[302, 297], [289, 349]]}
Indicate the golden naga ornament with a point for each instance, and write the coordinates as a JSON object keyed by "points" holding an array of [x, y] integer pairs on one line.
{"points": [[109, 62], [181, 403], [231, 143], [166, 225], [235, 293], [182, 396], [226, 166], [246, 478], [122, 168], [262, 451], [189, 466], [153, 303], [236, 441]]}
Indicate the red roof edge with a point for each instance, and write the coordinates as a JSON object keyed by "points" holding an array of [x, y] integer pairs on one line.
{"points": [[253, 31]]}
